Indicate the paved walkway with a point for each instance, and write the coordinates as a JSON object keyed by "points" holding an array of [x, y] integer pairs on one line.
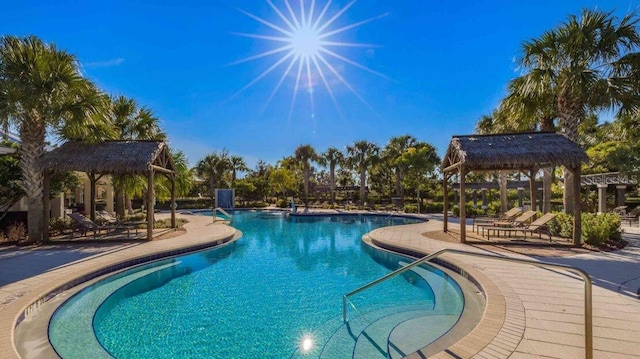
{"points": [[531, 312], [545, 308], [28, 274]]}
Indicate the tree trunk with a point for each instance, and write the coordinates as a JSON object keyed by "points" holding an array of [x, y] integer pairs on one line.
{"points": [[397, 184], [547, 179], [363, 192], [129, 203], [119, 203], [502, 180], [306, 187], [32, 135], [332, 183], [570, 113]]}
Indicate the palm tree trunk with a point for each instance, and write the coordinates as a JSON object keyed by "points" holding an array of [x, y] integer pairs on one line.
{"points": [[569, 114], [397, 184], [32, 135], [332, 183], [129, 203], [363, 192]]}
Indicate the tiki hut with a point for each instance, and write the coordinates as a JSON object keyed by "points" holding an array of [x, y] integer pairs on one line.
{"points": [[113, 157], [526, 152]]}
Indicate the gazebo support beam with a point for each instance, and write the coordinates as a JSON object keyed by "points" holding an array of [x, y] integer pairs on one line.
{"points": [[173, 200], [445, 207], [577, 210], [532, 188], [463, 209], [92, 201], [160, 169], [150, 205]]}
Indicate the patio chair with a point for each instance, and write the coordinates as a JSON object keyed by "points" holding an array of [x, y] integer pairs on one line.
{"points": [[520, 221], [506, 216], [538, 226], [631, 216], [84, 224]]}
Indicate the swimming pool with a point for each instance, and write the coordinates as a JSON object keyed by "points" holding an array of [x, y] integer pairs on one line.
{"points": [[274, 293]]}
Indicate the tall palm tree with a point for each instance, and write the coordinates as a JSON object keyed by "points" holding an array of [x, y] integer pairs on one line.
{"points": [[494, 123], [393, 152], [41, 87], [304, 155], [362, 155], [588, 63], [131, 122], [237, 164], [213, 167], [332, 157]]}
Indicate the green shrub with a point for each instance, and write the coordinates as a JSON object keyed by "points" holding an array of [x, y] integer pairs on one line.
{"points": [[166, 223], [59, 225], [410, 208], [596, 229], [16, 232], [433, 207], [282, 203], [470, 211], [562, 225], [260, 204]]}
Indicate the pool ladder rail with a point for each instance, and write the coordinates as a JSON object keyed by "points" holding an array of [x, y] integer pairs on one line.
{"points": [[222, 211], [588, 311]]}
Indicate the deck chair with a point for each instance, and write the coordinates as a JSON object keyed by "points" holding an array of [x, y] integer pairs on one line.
{"points": [[631, 216], [520, 221], [506, 216], [84, 225], [538, 226]]}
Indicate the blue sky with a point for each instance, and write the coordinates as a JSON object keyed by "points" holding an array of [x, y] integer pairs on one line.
{"points": [[445, 63]]}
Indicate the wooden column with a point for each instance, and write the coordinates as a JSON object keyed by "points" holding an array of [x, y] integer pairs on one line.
{"points": [[46, 206], [533, 193], [463, 204], [577, 210], [172, 178], [150, 205], [92, 204], [445, 189]]}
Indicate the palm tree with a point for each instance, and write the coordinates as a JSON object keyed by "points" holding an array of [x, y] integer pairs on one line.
{"points": [[488, 124], [213, 168], [304, 155], [41, 87], [362, 155], [393, 152], [237, 164], [587, 63], [131, 122], [332, 157]]}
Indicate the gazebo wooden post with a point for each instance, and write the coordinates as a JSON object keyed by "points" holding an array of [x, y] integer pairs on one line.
{"points": [[463, 203], [445, 207], [173, 200], [150, 205], [92, 202], [46, 204], [532, 188], [577, 210]]}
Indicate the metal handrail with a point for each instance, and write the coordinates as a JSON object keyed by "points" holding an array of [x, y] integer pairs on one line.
{"points": [[218, 209], [588, 311]]}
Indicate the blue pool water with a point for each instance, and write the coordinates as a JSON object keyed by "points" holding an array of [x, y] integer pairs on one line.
{"points": [[271, 294]]}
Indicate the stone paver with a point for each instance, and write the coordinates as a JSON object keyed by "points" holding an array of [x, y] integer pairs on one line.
{"points": [[549, 301], [28, 275]]}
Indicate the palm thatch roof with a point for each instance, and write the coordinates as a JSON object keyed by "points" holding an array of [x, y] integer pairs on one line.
{"points": [[513, 151], [112, 157]]}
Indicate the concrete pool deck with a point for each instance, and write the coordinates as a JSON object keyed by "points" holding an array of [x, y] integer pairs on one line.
{"points": [[541, 315]]}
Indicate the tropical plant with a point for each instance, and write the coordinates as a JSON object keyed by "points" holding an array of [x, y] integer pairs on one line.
{"points": [[304, 155], [332, 157], [361, 155], [42, 87], [213, 168], [587, 64], [237, 164]]}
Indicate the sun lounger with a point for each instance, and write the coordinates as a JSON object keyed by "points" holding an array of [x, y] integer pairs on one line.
{"points": [[506, 216], [538, 226], [630, 217], [84, 225], [520, 221]]}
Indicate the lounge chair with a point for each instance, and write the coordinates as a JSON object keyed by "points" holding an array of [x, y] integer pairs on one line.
{"points": [[630, 217], [520, 221], [84, 224], [537, 226], [506, 216]]}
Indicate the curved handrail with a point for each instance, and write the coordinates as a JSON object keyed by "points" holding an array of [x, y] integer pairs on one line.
{"points": [[588, 311], [219, 209]]}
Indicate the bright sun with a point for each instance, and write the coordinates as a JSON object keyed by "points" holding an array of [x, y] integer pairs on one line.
{"points": [[306, 39]]}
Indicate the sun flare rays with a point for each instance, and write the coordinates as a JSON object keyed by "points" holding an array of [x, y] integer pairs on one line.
{"points": [[306, 45]]}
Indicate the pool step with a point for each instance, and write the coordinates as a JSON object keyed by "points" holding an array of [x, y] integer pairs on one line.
{"points": [[410, 335]]}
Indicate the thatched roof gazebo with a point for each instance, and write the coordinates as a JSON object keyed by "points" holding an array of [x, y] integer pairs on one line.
{"points": [[113, 157], [527, 152]]}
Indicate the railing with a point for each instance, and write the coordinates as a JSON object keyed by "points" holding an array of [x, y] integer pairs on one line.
{"points": [[218, 209], [588, 330]]}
